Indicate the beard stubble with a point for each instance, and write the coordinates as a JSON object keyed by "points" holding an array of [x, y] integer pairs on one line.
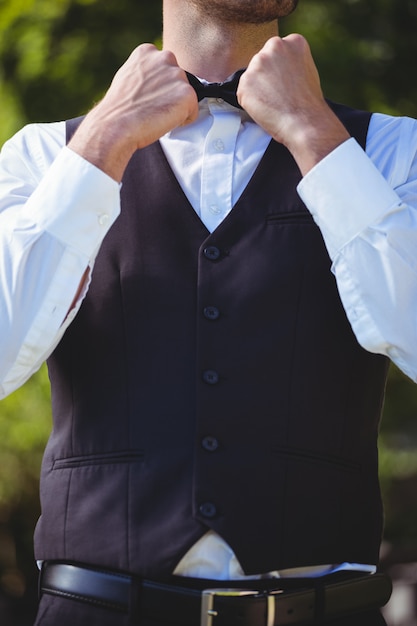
{"points": [[245, 11]]}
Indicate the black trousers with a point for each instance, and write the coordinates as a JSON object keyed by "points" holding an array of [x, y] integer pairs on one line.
{"points": [[55, 611]]}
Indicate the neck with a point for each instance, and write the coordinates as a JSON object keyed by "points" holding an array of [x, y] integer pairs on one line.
{"points": [[208, 48]]}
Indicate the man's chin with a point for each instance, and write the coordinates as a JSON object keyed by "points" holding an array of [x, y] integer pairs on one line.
{"points": [[246, 11]]}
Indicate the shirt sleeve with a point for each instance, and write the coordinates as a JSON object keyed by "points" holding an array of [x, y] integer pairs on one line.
{"points": [[366, 207], [55, 210]]}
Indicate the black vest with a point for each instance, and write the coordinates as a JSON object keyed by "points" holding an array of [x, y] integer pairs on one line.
{"points": [[213, 381]]}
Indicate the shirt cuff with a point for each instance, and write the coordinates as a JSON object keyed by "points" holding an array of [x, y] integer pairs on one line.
{"points": [[75, 202], [345, 194]]}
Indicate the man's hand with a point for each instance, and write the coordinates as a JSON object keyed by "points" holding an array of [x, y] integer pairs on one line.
{"points": [[149, 96], [281, 91]]}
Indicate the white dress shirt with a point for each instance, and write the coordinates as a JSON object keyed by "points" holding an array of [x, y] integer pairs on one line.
{"points": [[56, 208]]}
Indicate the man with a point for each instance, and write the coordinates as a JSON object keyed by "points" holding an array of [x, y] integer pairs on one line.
{"points": [[215, 418]]}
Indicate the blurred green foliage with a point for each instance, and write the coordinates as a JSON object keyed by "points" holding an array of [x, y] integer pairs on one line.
{"points": [[58, 56], [365, 50], [56, 59]]}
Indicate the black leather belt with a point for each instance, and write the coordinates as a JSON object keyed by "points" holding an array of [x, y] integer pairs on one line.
{"points": [[187, 606]]}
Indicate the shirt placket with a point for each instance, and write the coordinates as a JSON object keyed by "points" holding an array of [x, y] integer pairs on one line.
{"points": [[217, 167]]}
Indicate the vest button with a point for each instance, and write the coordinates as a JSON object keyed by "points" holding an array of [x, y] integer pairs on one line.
{"points": [[211, 313], [210, 444], [212, 253], [208, 509], [210, 377]]}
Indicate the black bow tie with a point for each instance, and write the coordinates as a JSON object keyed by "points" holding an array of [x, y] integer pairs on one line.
{"points": [[225, 90]]}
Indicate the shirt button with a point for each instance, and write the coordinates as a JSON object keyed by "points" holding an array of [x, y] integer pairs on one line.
{"points": [[213, 208], [210, 444], [218, 145], [103, 219], [210, 377], [212, 253], [208, 509], [211, 313]]}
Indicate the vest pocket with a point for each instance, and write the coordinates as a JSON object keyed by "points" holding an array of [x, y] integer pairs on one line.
{"points": [[289, 217], [310, 456], [108, 458]]}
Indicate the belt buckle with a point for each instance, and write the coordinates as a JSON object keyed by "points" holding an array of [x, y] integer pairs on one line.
{"points": [[208, 611]]}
